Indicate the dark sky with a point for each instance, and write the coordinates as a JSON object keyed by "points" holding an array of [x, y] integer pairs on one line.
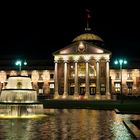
{"points": [[34, 30]]}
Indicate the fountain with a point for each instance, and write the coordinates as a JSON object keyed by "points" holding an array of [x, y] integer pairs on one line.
{"points": [[19, 100]]}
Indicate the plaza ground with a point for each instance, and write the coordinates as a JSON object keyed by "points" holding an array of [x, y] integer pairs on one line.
{"points": [[130, 105]]}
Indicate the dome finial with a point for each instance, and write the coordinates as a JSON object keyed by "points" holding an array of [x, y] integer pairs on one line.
{"points": [[88, 16]]}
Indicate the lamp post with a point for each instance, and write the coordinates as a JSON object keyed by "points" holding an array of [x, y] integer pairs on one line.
{"points": [[120, 62], [20, 63]]}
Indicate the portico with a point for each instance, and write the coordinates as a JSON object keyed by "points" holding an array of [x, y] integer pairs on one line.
{"points": [[82, 69]]}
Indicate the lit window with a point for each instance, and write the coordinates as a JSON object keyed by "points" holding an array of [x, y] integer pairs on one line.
{"points": [[129, 75], [117, 89], [117, 85], [117, 75]]}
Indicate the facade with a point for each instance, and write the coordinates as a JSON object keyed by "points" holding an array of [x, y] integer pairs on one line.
{"points": [[81, 70], [130, 81], [42, 80]]}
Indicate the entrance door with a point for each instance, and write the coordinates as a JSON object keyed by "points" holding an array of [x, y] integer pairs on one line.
{"points": [[129, 85], [117, 88], [130, 91], [71, 91], [82, 90], [92, 90]]}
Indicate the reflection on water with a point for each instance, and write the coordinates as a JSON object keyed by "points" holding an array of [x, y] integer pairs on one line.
{"points": [[68, 124]]}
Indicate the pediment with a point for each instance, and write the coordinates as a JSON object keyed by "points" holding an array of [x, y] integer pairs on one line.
{"points": [[81, 47]]}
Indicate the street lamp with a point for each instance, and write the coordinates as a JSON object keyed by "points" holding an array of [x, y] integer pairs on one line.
{"points": [[121, 62], [20, 63]]}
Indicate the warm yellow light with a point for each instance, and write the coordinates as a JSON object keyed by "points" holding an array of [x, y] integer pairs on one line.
{"points": [[81, 45], [99, 51], [23, 116]]}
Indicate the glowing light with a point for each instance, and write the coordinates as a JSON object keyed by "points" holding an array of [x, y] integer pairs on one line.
{"points": [[71, 66], [120, 61], [25, 63], [115, 62], [81, 45], [19, 63], [23, 116], [99, 51], [64, 52], [125, 62]]}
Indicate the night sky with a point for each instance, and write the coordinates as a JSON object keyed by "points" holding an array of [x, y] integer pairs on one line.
{"points": [[34, 30]]}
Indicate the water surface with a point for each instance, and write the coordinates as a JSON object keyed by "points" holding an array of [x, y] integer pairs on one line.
{"points": [[68, 124]]}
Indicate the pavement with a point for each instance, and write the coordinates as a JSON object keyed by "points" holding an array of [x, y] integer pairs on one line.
{"points": [[132, 128]]}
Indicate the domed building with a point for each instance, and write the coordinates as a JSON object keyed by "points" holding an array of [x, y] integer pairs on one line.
{"points": [[82, 68], [88, 37], [81, 71]]}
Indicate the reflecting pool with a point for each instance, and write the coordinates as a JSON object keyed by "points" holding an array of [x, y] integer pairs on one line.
{"points": [[68, 124]]}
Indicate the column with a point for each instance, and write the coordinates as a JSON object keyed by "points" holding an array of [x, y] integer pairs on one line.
{"points": [[56, 95], [107, 77], [76, 81], [87, 80], [97, 77], [65, 79]]}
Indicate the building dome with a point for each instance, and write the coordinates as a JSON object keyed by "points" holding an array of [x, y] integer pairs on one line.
{"points": [[88, 37]]}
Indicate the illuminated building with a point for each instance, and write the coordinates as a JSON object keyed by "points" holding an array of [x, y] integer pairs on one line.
{"points": [[42, 76], [130, 81], [80, 70]]}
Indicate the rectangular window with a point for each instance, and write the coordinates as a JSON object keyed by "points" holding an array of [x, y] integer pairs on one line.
{"points": [[117, 85], [51, 76], [129, 76], [117, 75]]}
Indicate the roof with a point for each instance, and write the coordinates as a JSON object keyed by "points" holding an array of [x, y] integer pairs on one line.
{"points": [[89, 48], [88, 37]]}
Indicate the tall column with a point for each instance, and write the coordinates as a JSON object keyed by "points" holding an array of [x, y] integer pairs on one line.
{"points": [[87, 79], [76, 80], [56, 95], [97, 77], [65, 79], [107, 77]]}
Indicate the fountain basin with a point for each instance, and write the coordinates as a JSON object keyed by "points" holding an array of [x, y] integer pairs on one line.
{"points": [[19, 100], [18, 95], [21, 110]]}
